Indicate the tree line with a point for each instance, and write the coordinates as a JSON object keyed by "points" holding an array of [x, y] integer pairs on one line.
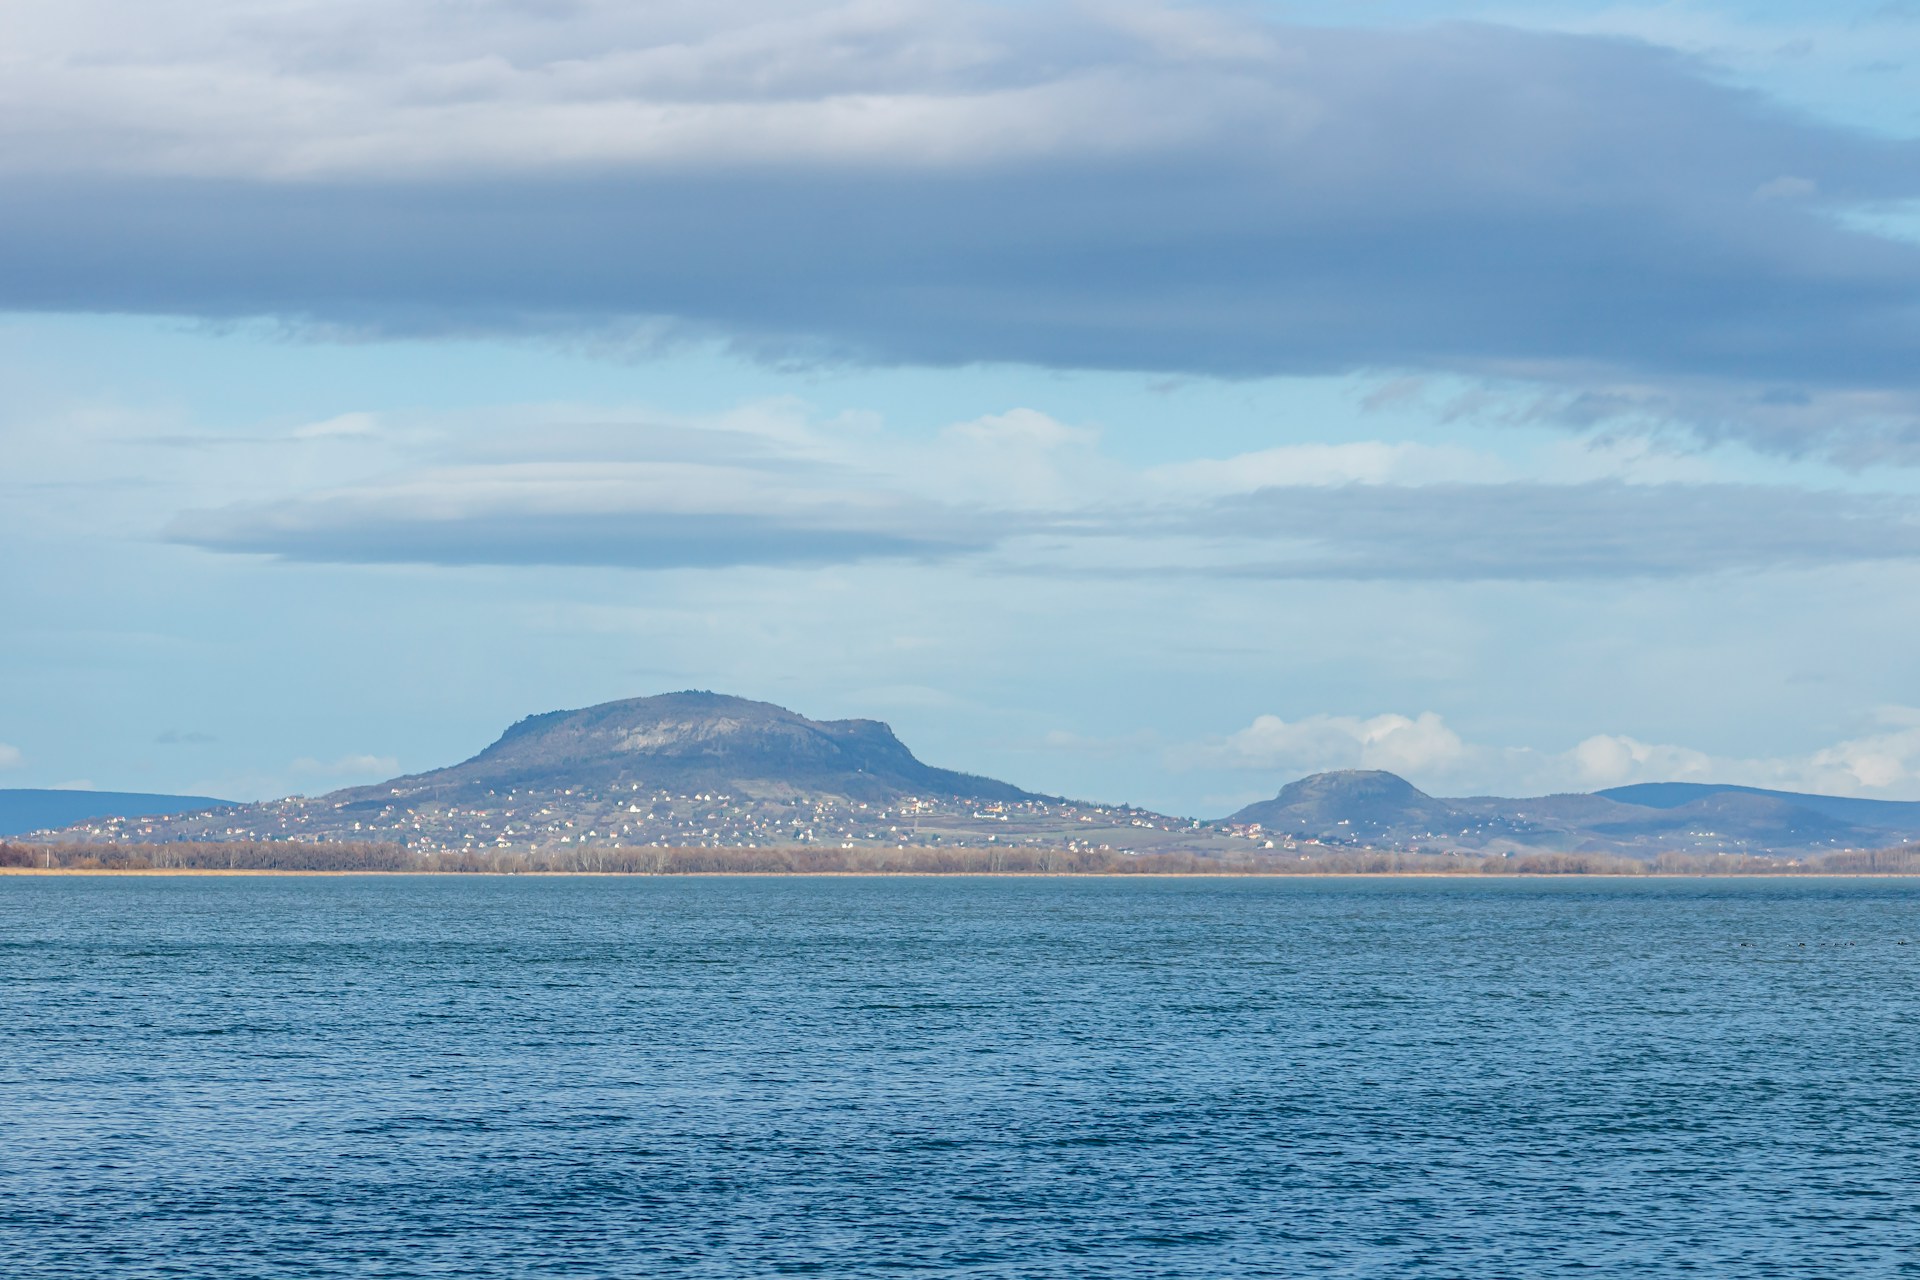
{"points": [[295, 855]]}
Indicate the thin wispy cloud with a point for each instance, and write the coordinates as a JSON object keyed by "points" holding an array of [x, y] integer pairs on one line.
{"points": [[365, 765], [1022, 492], [1528, 530]]}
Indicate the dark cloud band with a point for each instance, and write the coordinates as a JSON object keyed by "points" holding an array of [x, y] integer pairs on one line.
{"points": [[1465, 199]]}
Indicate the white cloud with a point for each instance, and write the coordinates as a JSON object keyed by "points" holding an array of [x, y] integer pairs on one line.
{"points": [[346, 424], [1887, 760], [1018, 459], [11, 757], [1356, 462], [371, 767], [1612, 760], [1420, 745], [306, 89], [1094, 747], [1882, 764]]}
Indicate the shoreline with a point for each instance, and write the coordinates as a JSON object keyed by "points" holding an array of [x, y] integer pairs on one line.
{"points": [[976, 875]]}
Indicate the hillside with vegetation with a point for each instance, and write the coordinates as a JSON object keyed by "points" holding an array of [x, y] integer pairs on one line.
{"points": [[701, 770]]}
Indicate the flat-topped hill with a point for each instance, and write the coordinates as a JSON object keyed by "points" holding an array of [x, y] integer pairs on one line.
{"points": [[1350, 803], [692, 742]]}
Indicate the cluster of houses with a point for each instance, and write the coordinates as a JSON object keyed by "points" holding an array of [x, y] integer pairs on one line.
{"points": [[631, 816]]}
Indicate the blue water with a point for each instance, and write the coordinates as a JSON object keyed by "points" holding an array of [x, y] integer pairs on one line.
{"points": [[313, 1077]]}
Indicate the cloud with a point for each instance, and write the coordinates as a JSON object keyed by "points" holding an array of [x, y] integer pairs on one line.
{"points": [[11, 757], [1611, 760], [175, 738], [1419, 745], [760, 485], [1532, 530], [1104, 747], [1353, 462], [1424, 749], [765, 486], [1139, 187], [1021, 459], [630, 541], [348, 766], [1882, 761], [346, 424], [633, 515]]}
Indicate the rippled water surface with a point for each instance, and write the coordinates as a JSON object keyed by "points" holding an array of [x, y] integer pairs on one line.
{"points": [[368, 1076]]}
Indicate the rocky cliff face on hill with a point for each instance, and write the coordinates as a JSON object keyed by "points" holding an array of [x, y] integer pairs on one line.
{"points": [[686, 769], [695, 742]]}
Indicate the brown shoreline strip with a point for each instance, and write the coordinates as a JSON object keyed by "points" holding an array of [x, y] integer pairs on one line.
{"points": [[333, 857]]}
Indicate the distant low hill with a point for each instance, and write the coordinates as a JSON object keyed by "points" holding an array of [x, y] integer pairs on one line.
{"points": [[1368, 806], [1901, 814], [28, 809]]}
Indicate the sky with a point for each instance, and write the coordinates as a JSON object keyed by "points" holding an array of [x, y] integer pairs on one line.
{"points": [[1140, 402]]}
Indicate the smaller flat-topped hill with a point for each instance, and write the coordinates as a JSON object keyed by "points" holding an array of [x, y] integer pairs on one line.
{"points": [[1354, 803]]}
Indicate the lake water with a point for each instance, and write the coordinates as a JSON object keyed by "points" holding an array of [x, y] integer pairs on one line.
{"points": [[310, 1077]]}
